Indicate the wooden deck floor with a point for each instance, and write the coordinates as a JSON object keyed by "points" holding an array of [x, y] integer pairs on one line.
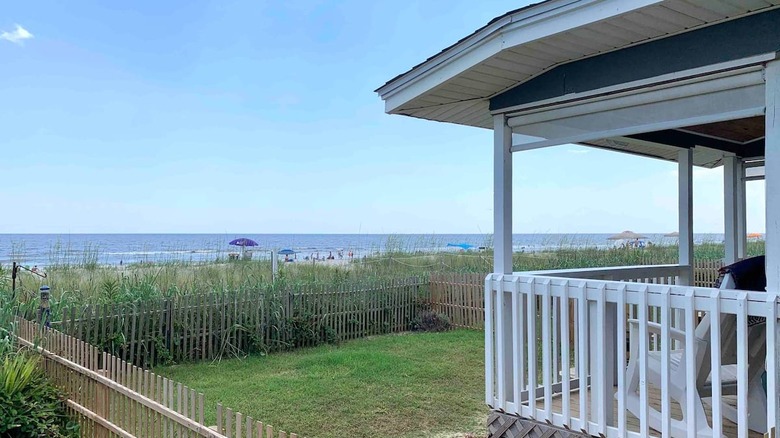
{"points": [[729, 428]]}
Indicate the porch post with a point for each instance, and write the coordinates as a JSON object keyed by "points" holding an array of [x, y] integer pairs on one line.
{"points": [[502, 251], [730, 183], [685, 214], [741, 212], [502, 196], [772, 184]]}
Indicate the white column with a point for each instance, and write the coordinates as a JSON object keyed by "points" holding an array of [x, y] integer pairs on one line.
{"points": [[741, 212], [730, 183], [502, 246], [685, 213], [772, 184], [502, 196]]}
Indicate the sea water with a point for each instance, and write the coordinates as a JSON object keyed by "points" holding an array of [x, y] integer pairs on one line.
{"points": [[115, 249]]}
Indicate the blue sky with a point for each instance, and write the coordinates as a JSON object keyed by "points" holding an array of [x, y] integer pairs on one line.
{"points": [[260, 116]]}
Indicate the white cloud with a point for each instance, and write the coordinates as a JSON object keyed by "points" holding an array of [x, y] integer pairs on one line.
{"points": [[16, 36]]}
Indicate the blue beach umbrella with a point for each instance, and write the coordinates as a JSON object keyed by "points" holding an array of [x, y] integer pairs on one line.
{"points": [[286, 251], [461, 245]]}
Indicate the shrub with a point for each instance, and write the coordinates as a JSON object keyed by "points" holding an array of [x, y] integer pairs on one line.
{"points": [[430, 321], [29, 404]]}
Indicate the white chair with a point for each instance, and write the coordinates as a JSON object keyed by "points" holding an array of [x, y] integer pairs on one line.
{"points": [[677, 373]]}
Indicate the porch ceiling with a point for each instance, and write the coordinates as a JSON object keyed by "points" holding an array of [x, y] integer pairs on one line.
{"points": [[710, 142], [455, 85]]}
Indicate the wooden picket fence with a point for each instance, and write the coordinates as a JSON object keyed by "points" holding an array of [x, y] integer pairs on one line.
{"points": [[462, 296], [705, 272], [113, 398], [210, 326]]}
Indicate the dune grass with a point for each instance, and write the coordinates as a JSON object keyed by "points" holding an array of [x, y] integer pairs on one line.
{"points": [[90, 283], [408, 385]]}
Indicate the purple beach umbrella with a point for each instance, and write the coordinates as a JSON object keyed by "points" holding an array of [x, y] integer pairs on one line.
{"points": [[243, 241]]}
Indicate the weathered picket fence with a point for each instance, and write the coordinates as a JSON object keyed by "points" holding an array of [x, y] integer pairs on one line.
{"points": [[461, 297], [113, 398], [705, 272], [209, 326]]}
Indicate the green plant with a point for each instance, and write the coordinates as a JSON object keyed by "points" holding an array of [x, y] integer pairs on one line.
{"points": [[29, 405], [430, 321]]}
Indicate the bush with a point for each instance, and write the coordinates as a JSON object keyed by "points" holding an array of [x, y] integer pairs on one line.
{"points": [[430, 321], [29, 404]]}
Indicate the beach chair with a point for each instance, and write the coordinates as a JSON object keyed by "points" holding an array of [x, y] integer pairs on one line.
{"points": [[748, 274]]}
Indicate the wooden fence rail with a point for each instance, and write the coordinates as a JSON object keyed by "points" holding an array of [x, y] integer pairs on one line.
{"points": [[113, 398], [209, 326]]}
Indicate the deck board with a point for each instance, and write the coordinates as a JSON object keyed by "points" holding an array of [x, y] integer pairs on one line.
{"points": [[729, 428]]}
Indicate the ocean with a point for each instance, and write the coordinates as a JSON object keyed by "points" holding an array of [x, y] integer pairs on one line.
{"points": [[114, 249]]}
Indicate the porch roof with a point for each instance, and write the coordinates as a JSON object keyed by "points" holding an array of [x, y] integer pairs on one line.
{"points": [[546, 45]]}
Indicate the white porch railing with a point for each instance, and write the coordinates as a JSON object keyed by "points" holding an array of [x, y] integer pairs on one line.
{"points": [[556, 351]]}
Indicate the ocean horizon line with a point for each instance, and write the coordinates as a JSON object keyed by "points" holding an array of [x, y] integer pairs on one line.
{"points": [[340, 234]]}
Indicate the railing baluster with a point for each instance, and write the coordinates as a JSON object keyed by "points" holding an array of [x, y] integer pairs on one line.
{"points": [[771, 363], [531, 326], [517, 346], [546, 353], [582, 311], [621, 359], [643, 349], [489, 388], [715, 331], [500, 352], [523, 384], [666, 413], [742, 366], [600, 373], [690, 363], [565, 374], [556, 334]]}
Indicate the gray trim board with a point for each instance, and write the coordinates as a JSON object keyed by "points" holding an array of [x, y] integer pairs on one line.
{"points": [[749, 36]]}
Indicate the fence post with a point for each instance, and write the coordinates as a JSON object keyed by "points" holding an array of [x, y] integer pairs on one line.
{"points": [[102, 406]]}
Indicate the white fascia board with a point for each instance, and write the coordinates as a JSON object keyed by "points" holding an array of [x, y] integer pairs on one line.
{"points": [[529, 25]]}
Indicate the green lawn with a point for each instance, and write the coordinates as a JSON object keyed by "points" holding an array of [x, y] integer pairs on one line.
{"points": [[408, 385]]}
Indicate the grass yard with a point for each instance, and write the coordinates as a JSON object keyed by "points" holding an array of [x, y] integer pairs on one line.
{"points": [[408, 385]]}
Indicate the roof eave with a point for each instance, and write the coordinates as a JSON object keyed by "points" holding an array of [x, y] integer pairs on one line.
{"points": [[525, 25]]}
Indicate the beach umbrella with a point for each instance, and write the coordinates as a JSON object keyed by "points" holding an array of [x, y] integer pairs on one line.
{"points": [[672, 234], [755, 235], [243, 242], [286, 251], [626, 235], [461, 245]]}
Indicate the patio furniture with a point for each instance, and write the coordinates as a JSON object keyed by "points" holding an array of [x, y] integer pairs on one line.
{"points": [[745, 275]]}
